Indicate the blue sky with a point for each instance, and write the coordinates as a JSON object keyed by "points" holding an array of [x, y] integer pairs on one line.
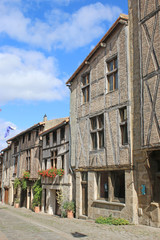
{"points": [[42, 42]]}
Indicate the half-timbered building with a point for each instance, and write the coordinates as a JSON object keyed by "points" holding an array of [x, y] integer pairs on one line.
{"points": [[56, 177], [100, 128], [22, 160], [144, 39]]}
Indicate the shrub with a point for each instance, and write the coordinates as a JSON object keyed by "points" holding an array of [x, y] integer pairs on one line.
{"points": [[69, 206], [37, 193], [16, 183], [112, 221]]}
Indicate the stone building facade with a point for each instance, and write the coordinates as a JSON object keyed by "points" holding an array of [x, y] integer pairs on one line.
{"points": [[55, 155], [100, 129], [23, 154], [144, 39]]}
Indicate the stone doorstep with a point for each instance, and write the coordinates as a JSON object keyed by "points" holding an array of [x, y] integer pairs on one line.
{"points": [[83, 217]]}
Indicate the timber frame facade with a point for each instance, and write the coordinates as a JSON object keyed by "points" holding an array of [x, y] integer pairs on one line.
{"points": [[100, 128], [144, 32], [23, 154], [55, 154]]}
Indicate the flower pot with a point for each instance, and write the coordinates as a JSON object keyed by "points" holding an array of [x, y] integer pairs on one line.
{"points": [[70, 214], [37, 209], [16, 205]]}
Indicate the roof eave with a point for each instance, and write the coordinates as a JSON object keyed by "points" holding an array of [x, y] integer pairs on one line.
{"points": [[122, 20]]}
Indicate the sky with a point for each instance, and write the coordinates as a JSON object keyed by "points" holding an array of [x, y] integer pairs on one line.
{"points": [[42, 43]]}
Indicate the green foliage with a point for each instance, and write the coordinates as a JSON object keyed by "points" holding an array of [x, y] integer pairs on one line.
{"points": [[24, 183], [112, 221], [37, 193], [26, 175], [59, 198], [16, 183], [69, 206], [17, 200]]}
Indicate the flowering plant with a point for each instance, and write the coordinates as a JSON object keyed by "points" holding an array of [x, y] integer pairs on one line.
{"points": [[26, 175], [51, 172]]}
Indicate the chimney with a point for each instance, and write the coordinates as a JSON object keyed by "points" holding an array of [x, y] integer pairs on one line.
{"points": [[45, 118]]}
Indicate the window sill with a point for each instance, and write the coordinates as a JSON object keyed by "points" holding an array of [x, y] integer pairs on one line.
{"points": [[115, 90], [110, 203], [124, 146], [96, 150]]}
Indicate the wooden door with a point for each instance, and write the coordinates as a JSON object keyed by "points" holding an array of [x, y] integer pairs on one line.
{"points": [[23, 198], [6, 196]]}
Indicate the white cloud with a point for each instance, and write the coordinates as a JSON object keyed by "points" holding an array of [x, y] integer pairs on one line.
{"points": [[72, 31], [29, 75], [3, 127]]}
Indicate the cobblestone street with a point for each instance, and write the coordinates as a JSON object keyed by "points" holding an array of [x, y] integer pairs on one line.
{"points": [[18, 224]]}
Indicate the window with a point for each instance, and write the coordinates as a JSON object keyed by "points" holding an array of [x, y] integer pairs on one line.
{"points": [[16, 147], [28, 160], [112, 74], [111, 186], [45, 164], [62, 160], [102, 182], [37, 133], [15, 166], [29, 136], [97, 132], [85, 87], [47, 139], [54, 137], [62, 133], [23, 138], [123, 125], [54, 159]]}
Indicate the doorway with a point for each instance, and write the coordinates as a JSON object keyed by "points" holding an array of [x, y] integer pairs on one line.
{"points": [[6, 195], [84, 184]]}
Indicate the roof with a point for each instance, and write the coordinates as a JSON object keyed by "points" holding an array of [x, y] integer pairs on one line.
{"points": [[27, 130], [55, 127], [122, 19], [5, 149]]}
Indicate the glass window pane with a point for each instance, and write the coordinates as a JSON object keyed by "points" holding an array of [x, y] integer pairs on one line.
{"points": [[94, 140], [116, 80], [118, 179], [94, 123], [110, 80], [115, 63], [102, 182], [101, 139], [110, 66], [101, 121]]}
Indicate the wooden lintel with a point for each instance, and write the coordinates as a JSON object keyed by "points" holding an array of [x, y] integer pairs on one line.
{"points": [[109, 168]]}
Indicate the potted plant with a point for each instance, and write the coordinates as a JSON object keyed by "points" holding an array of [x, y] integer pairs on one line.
{"points": [[37, 192], [69, 206], [16, 202]]}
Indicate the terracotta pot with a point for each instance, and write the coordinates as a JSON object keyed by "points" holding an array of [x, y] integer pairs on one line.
{"points": [[69, 214], [16, 205], [37, 209]]}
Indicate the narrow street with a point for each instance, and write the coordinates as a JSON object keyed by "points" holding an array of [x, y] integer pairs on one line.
{"points": [[23, 224]]}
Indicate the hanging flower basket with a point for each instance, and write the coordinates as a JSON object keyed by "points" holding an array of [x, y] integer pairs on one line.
{"points": [[26, 175]]}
